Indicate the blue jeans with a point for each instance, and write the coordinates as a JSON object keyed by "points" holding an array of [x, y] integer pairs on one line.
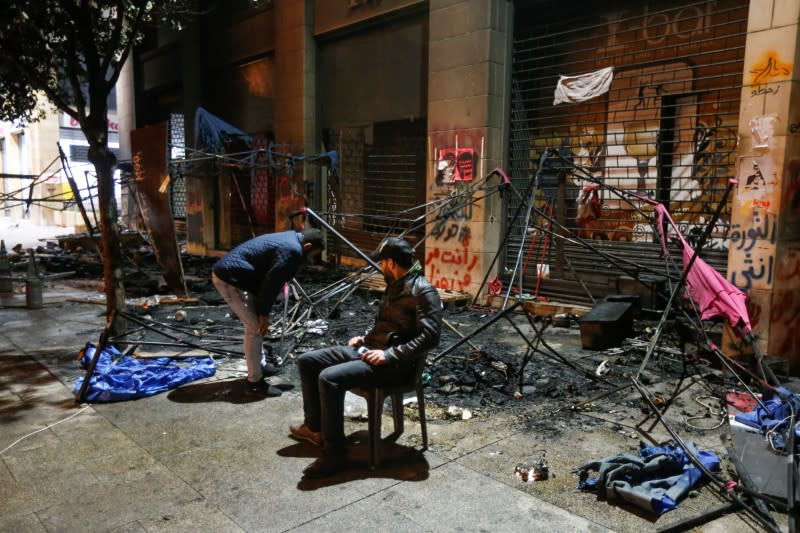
{"points": [[326, 375]]}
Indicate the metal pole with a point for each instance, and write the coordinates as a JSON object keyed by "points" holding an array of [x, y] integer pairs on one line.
{"points": [[494, 319], [352, 246]]}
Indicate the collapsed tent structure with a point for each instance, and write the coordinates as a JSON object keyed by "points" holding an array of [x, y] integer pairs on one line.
{"points": [[695, 293]]}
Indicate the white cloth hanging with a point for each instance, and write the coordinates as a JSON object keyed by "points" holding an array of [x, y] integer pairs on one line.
{"points": [[584, 86]]}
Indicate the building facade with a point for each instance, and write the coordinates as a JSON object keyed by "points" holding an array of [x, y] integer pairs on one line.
{"points": [[35, 180], [591, 113]]}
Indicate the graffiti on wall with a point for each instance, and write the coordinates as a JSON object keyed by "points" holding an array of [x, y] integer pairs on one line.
{"points": [[769, 68], [449, 262], [752, 247], [628, 153], [686, 24], [787, 271]]}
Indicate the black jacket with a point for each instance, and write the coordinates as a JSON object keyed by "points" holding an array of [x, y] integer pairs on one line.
{"points": [[409, 319]]}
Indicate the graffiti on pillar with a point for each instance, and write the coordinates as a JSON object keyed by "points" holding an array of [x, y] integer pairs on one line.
{"points": [[446, 232], [768, 69], [754, 312], [450, 263], [757, 263]]}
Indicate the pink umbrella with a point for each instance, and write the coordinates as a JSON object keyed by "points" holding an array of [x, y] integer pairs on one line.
{"points": [[713, 294]]}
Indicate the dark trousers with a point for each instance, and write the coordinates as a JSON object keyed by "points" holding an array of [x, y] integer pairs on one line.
{"points": [[326, 375]]}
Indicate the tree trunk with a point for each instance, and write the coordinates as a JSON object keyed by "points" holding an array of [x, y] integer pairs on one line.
{"points": [[104, 160]]}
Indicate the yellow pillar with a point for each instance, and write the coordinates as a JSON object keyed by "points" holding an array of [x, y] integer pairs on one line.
{"points": [[764, 254]]}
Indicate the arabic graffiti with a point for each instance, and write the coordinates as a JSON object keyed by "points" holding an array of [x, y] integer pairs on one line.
{"points": [[752, 273], [451, 269], [444, 233], [750, 240], [769, 68], [762, 90], [790, 202], [763, 227]]}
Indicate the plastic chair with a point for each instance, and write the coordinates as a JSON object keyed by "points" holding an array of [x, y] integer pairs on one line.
{"points": [[375, 397]]}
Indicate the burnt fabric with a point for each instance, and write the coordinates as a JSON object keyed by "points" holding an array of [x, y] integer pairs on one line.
{"points": [[118, 377], [262, 265], [655, 481]]}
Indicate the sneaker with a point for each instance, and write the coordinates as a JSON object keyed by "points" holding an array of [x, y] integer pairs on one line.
{"points": [[260, 389], [327, 465], [302, 433]]}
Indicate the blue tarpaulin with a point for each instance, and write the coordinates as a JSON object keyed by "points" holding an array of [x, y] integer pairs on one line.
{"points": [[118, 377]]}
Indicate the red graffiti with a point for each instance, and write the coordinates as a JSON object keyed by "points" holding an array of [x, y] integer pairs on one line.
{"points": [[450, 269], [456, 282]]}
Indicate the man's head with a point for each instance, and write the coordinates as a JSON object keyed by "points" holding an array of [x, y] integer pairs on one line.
{"points": [[395, 256], [313, 243]]}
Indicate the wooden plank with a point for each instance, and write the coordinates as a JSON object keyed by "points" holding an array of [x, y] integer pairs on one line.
{"points": [[541, 308], [376, 283]]}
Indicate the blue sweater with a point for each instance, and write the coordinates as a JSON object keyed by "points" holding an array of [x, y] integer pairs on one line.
{"points": [[262, 265]]}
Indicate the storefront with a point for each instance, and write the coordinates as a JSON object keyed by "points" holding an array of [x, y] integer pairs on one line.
{"points": [[648, 103]]}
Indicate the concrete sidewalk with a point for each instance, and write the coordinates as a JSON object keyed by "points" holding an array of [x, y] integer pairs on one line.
{"points": [[203, 458]]}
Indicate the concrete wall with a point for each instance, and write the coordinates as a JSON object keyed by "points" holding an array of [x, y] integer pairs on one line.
{"points": [[468, 105]]}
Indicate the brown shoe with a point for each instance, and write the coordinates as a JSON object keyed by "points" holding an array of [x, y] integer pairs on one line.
{"points": [[302, 433]]}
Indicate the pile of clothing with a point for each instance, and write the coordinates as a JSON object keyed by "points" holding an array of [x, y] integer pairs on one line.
{"points": [[655, 481]]}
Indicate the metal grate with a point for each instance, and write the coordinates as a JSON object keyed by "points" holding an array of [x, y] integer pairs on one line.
{"points": [[666, 128], [380, 185], [177, 152]]}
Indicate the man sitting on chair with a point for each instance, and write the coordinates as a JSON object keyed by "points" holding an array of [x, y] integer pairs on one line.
{"points": [[407, 325]]}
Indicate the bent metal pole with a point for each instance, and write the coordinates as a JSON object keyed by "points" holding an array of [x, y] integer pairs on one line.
{"points": [[352, 246]]}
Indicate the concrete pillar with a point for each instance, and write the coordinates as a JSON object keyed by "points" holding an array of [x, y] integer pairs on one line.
{"points": [[126, 116], [295, 74], [468, 101], [764, 256]]}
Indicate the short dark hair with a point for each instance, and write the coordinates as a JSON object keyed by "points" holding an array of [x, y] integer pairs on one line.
{"points": [[397, 249], [313, 236]]}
